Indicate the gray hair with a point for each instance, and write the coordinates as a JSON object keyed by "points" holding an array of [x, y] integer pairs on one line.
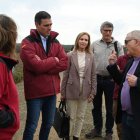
{"points": [[106, 24], [135, 34]]}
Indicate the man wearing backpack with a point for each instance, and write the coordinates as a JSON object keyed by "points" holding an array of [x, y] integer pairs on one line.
{"points": [[102, 48]]}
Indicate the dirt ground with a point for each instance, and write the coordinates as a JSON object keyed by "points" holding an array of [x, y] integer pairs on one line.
{"points": [[53, 136]]}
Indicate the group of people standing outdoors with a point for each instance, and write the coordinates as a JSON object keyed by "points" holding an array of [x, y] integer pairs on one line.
{"points": [[89, 71]]}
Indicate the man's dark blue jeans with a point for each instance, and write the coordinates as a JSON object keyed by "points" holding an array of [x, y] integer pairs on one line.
{"points": [[47, 106], [104, 85], [129, 132]]}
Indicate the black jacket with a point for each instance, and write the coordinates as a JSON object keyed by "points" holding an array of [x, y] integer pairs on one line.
{"points": [[134, 91]]}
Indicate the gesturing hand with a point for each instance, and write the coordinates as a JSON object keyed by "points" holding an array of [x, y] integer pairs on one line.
{"points": [[112, 58]]}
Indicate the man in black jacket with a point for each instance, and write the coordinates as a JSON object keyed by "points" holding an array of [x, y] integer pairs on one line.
{"points": [[129, 80]]}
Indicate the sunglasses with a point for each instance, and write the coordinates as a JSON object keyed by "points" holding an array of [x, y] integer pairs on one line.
{"points": [[47, 25], [126, 41]]}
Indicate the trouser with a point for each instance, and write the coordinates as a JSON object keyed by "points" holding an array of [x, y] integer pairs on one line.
{"points": [[119, 131], [117, 118], [34, 106], [76, 109], [104, 85], [129, 129]]}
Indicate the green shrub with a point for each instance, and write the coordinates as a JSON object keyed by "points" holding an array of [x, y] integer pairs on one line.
{"points": [[18, 73], [18, 76]]}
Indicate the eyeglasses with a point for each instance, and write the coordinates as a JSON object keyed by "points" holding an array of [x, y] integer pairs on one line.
{"points": [[126, 41], [107, 30], [47, 25]]}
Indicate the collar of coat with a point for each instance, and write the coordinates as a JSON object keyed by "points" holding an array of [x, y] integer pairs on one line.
{"points": [[8, 61], [74, 58], [34, 33]]}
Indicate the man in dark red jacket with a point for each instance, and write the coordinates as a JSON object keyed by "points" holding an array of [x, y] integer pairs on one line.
{"points": [[43, 58]]}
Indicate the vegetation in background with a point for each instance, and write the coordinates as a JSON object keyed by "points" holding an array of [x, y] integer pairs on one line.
{"points": [[18, 72], [66, 47], [18, 69]]}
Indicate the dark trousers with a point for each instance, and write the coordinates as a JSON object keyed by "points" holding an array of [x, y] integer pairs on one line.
{"points": [[129, 132], [104, 85]]}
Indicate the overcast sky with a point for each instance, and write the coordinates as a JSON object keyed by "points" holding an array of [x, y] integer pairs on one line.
{"points": [[70, 17]]}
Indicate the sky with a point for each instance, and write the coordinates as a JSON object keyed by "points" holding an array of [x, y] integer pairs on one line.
{"points": [[70, 17]]}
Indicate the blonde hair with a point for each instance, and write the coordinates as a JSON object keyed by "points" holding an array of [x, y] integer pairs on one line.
{"points": [[8, 35], [76, 46]]}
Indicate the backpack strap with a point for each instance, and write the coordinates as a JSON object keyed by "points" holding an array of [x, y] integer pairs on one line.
{"points": [[116, 48]]}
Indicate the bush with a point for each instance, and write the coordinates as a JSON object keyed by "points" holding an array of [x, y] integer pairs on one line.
{"points": [[18, 76], [18, 72]]}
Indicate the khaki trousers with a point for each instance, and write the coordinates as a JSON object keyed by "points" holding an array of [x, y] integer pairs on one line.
{"points": [[76, 109]]}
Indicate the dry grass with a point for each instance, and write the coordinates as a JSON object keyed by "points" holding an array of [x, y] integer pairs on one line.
{"points": [[88, 124], [53, 136]]}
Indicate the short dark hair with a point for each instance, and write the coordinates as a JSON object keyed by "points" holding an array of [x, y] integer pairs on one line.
{"points": [[106, 24], [41, 15]]}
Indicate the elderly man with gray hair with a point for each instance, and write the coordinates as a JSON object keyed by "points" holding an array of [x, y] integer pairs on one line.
{"points": [[102, 48], [129, 80]]}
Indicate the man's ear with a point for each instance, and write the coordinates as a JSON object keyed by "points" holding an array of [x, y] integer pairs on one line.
{"points": [[138, 42]]}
